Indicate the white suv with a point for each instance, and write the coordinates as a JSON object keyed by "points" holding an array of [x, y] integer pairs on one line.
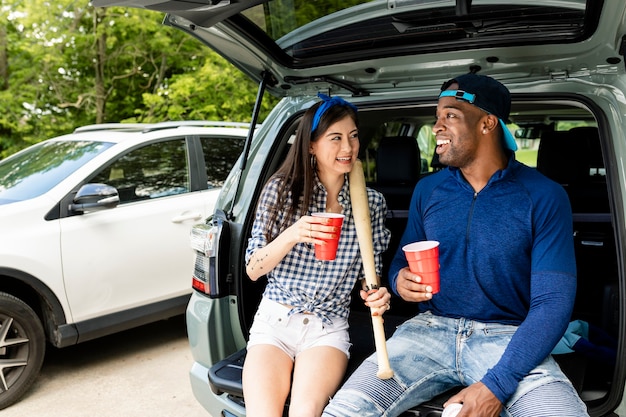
{"points": [[95, 230]]}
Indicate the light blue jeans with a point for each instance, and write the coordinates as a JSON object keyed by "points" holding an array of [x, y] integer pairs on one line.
{"points": [[431, 354]]}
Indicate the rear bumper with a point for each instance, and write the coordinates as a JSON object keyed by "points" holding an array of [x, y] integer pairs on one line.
{"points": [[214, 333], [216, 405]]}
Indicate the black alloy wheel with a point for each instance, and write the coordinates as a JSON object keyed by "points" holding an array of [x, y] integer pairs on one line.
{"points": [[22, 348]]}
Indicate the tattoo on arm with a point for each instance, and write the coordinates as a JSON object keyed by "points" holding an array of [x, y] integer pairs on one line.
{"points": [[257, 260]]}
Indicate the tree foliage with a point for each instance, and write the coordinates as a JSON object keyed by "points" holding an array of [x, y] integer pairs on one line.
{"points": [[65, 64], [215, 91]]}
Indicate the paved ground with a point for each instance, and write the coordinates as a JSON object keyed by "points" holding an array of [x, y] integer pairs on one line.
{"points": [[141, 372]]}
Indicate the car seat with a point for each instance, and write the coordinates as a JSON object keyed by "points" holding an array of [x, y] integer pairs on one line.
{"points": [[398, 168], [574, 159]]}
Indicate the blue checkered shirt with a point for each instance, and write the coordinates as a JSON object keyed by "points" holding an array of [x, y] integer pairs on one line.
{"points": [[310, 285]]}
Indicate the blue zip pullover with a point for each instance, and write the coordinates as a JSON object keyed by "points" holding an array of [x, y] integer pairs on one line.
{"points": [[506, 256]]}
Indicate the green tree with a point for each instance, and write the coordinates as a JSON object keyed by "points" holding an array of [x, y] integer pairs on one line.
{"points": [[217, 91], [137, 55], [65, 64], [42, 77]]}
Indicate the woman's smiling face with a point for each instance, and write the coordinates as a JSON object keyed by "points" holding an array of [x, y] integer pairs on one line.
{"points": [[337, 148]]}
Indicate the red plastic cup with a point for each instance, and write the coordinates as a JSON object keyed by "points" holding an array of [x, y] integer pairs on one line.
{"points": [[328, 252], [423, 258]]}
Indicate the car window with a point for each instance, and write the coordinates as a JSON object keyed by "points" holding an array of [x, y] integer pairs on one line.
{"points": [[153, 171], [36, 170], [529, 139], [220, 154], [277, 19], [526, 153], [397, 128]]}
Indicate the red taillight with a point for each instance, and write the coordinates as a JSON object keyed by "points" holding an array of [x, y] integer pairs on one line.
{"points": [[196, 284]]}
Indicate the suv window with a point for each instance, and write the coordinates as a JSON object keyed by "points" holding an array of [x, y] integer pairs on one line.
{"points": [[220, 155], [529, 140], [153, 171]]}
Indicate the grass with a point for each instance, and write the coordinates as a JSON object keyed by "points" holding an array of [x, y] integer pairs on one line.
{"points": [[527, 156]]}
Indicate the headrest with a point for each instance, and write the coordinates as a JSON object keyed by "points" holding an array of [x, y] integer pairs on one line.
{"points": [[398, 160], [567, 156], [588, 137]]}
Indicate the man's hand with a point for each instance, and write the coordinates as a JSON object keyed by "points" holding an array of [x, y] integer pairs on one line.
{"points": [[410, 288], [477, 400]]}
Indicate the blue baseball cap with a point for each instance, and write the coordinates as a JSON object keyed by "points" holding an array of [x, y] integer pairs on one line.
{"points": [[487, 94]]}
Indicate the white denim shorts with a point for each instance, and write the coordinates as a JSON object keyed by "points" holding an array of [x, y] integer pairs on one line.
{"points": [[298, 332]]}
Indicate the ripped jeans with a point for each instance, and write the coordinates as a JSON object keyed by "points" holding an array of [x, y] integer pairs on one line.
{"points": [[431, 354]]}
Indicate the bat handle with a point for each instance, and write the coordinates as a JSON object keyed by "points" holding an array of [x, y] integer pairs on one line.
{"points": [[384, 369]]}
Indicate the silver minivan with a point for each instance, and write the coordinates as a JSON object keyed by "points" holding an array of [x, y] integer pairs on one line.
{"points": [[563, 62]]}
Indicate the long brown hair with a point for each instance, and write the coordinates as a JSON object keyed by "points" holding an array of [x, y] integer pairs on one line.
{"points": [[297, 172]]}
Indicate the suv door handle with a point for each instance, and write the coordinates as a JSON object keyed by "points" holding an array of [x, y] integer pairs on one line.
{"points": [[187, 216]]}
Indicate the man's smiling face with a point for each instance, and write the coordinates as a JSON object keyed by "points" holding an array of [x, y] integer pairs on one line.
{"points": [[457, 130]]}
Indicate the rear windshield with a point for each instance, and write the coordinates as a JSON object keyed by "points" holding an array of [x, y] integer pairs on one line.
{"points": [[305, 29]]}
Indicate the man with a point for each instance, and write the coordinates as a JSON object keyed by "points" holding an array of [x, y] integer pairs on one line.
{"points": [[508, 277]]}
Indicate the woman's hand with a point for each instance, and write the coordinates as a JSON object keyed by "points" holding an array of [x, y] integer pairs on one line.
{"points": [[307, 229], [379, 300], [310, 229]]}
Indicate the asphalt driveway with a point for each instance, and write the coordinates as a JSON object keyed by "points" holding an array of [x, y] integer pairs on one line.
{"points": [[140, 372]]}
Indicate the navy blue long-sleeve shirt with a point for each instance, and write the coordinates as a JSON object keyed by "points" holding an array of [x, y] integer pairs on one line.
{"points": [[506, 256]]}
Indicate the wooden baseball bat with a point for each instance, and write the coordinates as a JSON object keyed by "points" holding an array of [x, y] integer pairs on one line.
{"points": [[362, 221]]}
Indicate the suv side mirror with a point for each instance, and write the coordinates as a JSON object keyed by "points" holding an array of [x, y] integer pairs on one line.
{"points": [[94, 197]]}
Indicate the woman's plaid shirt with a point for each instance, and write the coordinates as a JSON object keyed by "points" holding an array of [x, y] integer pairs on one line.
{"points": [[310, 285]]}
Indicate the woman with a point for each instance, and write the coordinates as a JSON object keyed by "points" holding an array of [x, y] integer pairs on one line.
{"points": [[301, 326]]}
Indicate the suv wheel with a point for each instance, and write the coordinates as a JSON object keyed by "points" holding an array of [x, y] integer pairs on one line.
{"points": [[22, 348]]}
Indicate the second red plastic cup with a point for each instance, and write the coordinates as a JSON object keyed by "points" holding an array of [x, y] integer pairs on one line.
{"points": [[423, 258], [328, 252]]}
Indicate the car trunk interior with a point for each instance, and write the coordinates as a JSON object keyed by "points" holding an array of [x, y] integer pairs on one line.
{"points": [[563, 140]]}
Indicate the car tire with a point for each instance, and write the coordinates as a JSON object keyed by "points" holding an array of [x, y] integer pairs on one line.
{"points": [[22, 348]]}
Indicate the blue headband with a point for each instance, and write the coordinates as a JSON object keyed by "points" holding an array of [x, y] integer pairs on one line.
{"points": [[327, 103]]}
